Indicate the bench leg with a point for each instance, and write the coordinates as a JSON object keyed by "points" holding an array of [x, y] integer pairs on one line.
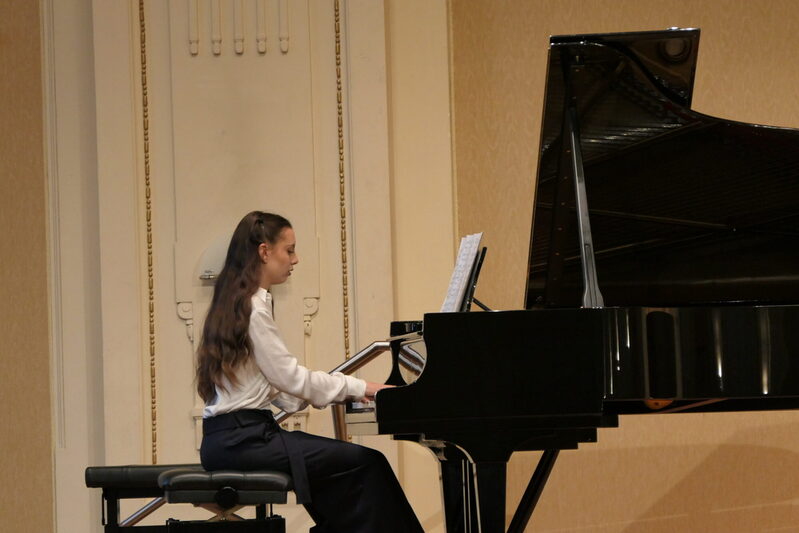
{"points": [[110, 519], [144, 512], [110, 507]]}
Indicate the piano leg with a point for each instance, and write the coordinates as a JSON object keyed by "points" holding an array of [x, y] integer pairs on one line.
{"points": [[533, 491], [491, 477], [458, 491], [453, 495]]}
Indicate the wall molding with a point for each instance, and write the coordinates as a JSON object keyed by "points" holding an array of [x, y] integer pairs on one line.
{"points": [[148, 219], [237, 28], [342, 183], [53, 233], [122, 285]]}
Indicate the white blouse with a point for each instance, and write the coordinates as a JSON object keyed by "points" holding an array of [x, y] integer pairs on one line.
{"points": [[275, 376]]}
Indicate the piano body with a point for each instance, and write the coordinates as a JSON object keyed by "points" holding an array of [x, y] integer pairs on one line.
{"points": [[663, 277]]}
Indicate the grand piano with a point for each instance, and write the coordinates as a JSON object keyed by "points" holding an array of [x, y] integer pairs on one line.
{"points": [[663, 278]]}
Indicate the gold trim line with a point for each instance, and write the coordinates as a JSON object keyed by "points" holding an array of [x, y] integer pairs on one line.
{"points": [[149, 227], [341, 186]]}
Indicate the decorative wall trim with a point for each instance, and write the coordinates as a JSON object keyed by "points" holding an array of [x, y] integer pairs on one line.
{"points": [[194, 27], [341, 185], [149, 228], [53, 233], [216, 27], [238, 26], [283, 17], [260, 26], [246, 17]]}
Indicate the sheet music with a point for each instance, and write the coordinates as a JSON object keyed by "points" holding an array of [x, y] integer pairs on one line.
{"points": [[467, 254]]}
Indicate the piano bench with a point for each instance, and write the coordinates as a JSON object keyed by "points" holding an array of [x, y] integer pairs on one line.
{"points": [[221, 492]]}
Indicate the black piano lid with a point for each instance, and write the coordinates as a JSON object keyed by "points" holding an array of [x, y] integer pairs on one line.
{"points": [[685, 209]]}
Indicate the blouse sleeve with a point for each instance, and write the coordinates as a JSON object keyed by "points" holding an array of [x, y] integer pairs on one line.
{"points": [[284, 372], [289, 403]]}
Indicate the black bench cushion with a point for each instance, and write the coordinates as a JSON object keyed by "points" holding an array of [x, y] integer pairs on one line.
{"points": [[189, 483], [225, 487], [192, 479], [132, 476]]}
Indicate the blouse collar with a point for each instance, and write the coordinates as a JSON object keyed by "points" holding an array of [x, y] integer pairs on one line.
{"points": [[263, 294]]}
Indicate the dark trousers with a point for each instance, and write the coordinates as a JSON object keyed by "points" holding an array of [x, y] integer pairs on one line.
{"points": [[351, 488]]}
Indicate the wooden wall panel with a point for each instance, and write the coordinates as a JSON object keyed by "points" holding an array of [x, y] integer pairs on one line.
{"points": [[26, 502]]}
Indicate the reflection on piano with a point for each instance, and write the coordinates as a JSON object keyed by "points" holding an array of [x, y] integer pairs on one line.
{"points": [[663, 277]]}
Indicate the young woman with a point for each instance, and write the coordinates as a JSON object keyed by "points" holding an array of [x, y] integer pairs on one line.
{"points": [[243, 366]]}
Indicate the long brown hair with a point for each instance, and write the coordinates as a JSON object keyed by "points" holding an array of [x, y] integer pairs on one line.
{"points": [[225, 343]]}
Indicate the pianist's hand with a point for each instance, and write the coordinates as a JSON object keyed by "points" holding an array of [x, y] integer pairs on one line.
{"points": [[372, 388]]}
